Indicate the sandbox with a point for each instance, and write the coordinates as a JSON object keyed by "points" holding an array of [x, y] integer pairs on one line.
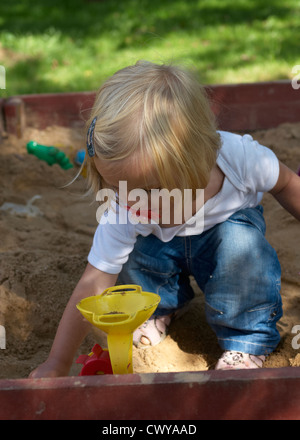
{"points": [[42, 257]]}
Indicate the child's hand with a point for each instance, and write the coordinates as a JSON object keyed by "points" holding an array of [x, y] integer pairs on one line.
{"points": [[49, 368], [73, 327]]}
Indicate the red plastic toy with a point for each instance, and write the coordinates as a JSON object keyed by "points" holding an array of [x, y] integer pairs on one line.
{"points": [[97, 362]]}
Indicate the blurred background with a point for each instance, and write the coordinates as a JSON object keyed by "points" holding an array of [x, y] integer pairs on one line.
{"points": [[73, 45]]}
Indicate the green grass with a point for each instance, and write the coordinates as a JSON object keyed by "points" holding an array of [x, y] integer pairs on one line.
{"points": [[61, 46]]}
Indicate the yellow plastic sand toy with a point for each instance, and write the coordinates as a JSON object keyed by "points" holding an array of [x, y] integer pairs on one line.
{"points": [[119, 311]]}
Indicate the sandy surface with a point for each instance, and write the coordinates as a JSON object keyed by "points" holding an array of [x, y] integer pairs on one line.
{"points": [[43, 256]]}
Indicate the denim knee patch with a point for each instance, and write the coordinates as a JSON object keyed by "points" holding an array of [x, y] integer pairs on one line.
{"points": [[250, 216], [243, 300]]}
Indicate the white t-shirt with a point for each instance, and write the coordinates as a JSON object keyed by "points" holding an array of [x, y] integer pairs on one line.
{"points": [[250, 169]]}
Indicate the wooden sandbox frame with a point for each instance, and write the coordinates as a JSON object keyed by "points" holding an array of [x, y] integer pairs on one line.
{"points": [[264, 394]]}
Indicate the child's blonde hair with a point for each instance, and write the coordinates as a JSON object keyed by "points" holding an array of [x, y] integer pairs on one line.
{"points": [[157, 113]]}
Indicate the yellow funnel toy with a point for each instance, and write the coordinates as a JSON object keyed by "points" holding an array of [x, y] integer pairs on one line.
{"points": [[118, 311]]}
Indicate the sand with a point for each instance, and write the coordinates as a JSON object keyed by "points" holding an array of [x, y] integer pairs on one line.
{"points": [[43, 256]]}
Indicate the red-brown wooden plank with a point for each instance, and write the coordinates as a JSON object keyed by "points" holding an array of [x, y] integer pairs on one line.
{"points": [[266, 394], [239, 107]]}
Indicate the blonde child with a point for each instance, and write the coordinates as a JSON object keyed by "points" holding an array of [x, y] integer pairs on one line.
{"points": [[152, 128]]}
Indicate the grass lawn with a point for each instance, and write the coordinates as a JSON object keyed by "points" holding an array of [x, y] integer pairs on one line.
{"points": [[61, 46]]}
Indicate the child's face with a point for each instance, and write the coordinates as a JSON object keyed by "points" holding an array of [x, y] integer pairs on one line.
{"points": [[134, 186], [126, 170], [115, 173]]}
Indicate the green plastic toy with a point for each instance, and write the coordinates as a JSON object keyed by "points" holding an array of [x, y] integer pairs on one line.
{"points": [[51, 154]]}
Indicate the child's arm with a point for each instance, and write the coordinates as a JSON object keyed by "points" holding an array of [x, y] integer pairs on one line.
{"points": [[73, 327], [287, 190]]}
